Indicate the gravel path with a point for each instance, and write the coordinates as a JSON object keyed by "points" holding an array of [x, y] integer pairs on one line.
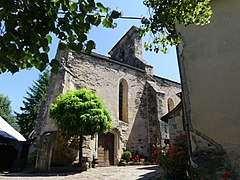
{"points": [[101, 173]]}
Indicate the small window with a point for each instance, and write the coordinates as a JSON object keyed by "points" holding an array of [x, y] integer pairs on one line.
{"points": [[170, 104], [123, 100]]}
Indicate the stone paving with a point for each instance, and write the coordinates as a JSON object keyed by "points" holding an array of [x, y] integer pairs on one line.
{"points": [[149, 172]]}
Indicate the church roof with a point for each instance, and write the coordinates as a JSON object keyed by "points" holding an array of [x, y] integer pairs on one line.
{"points": [[155, 87], [109, 59]]}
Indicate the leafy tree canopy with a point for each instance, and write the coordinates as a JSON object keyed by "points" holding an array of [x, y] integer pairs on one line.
{"points": [[26, 25], [6, 110], [79, 113], [35, 95], [165, 14]]}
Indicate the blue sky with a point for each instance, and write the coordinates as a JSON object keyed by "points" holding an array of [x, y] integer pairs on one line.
{"points": [[165, 65]]}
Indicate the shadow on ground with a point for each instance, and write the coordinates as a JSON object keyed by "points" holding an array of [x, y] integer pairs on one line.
{"points": [[36, 174], [54, 172], [155, 174]]}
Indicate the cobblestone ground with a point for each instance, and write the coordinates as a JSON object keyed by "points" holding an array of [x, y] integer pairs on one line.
{"points": [[101, 173]]}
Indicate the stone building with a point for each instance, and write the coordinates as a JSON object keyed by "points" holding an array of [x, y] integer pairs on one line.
{"points": [[174, 120], [136, 98], [209, 66]]}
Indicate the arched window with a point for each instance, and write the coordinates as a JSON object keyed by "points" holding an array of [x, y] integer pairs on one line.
{"points": [[170, 104], [123, 100]]}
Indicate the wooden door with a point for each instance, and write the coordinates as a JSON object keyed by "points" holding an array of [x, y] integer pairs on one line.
{"points": [[106, 149]]}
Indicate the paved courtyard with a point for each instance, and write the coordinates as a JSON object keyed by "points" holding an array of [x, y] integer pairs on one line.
{"points": [[101, 173]]}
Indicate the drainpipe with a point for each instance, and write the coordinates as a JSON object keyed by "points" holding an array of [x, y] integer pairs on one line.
{"points": [[186, 108]]}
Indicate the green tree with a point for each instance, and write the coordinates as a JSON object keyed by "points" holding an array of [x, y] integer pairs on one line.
{"points": [[80, 113], [6, 111], [165, 14], [26, 27], [35, 95]]}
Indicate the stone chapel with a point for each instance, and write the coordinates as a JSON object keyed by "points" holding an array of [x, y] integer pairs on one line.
{"points": [[135, 97]]}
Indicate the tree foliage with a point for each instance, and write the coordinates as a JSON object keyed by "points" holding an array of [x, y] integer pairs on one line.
{"points": [[165, 14], [35, 95], [6, 111], [80, 113], [26, 27]]}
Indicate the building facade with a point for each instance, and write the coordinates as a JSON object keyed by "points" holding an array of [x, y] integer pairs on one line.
{"points": [[209, 65], [135, 97]]}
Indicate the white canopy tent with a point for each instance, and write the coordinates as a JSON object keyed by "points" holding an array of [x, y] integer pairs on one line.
{"points": [[8, 131]]}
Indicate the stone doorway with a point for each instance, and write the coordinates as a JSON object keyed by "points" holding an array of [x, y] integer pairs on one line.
{"points": [[106, 149]]}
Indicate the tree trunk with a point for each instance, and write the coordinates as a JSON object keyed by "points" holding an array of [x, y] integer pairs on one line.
{"points": [[80, 150]]}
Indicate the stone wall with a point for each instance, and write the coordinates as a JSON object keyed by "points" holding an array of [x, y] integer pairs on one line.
{"points": [[58, 84], [128, 50], [65, 152], [103, 77], [211, 159], [44, 150], [146, 98], [155, 106], [175, 125]]}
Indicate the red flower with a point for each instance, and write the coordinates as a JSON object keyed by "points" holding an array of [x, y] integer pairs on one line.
{"points": [[178, 138], [136, 158], [156, 152], [226, 176]]}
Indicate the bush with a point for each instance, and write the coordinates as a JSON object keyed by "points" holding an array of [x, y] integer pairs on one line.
{"points": [[127, 155], [174, 159]]}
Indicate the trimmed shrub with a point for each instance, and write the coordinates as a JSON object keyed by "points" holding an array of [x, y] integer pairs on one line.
{"points": [[127, 155]]}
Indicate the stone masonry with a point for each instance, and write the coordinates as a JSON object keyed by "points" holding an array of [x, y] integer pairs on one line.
{"points": [[144, 101]]}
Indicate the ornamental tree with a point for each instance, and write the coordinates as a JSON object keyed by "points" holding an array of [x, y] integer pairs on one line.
{"points": [[26, 27], [165, 14], [80, 113]]}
